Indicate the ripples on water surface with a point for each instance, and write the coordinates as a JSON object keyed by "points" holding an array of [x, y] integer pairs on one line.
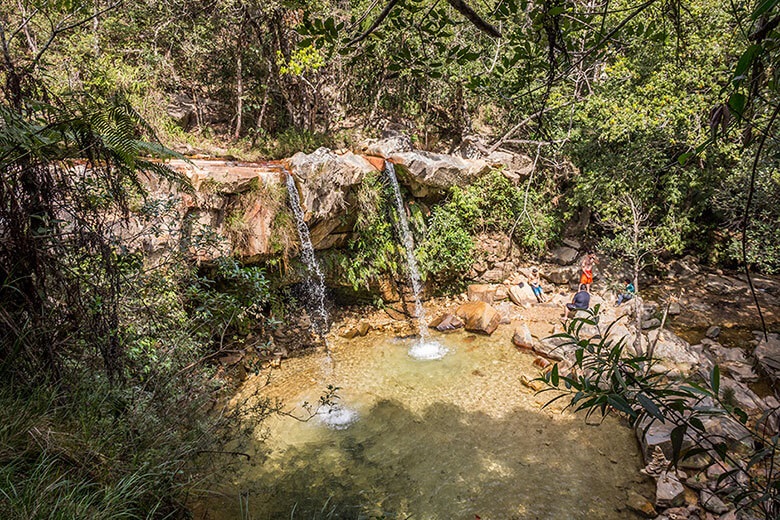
{"points": [[442, 439]]}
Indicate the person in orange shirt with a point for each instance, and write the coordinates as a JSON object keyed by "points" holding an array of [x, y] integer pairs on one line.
{"points": [[587, 264]]}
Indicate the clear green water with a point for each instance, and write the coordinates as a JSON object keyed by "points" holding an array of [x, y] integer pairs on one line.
{"points": [[456, 438]]}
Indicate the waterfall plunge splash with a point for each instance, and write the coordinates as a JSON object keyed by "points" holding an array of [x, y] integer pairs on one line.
{"points": [[315, 282], [423, 349]]}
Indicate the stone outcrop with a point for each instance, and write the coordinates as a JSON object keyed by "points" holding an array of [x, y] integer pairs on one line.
{"points": [[479, 317], [324, 179], [230, 210], [563, 255], [426, 173]]}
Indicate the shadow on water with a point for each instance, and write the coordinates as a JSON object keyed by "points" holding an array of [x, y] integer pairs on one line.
{"points": [[443, 463]]}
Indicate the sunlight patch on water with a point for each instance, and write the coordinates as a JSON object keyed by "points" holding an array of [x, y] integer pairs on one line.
{"points": [[427, 350], [337, 417]]}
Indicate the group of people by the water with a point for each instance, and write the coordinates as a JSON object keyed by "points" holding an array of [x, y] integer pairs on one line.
{"points": [[581, 299]]}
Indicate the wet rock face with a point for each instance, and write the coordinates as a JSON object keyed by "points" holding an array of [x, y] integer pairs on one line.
{"points": [[236, 202], [324, 179], [446, 323]]}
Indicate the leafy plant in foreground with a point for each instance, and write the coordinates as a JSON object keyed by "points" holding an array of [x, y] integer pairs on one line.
{"points": [[606, 377]]}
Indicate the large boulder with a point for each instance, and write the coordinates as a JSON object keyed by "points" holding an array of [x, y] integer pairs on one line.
{"points": [[683, 268], [479, 317], [562, 275], [481, 293], [427, 173], [671, 347], [388, 145], [520, 295], [324, 179], [563, 255], [558, 349], [768, 355]]}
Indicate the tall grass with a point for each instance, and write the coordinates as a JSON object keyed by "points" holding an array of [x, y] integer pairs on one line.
{"points": [[72, 459]]}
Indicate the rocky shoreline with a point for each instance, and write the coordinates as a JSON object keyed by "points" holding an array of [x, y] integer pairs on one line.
{"points": [[694, 490]]}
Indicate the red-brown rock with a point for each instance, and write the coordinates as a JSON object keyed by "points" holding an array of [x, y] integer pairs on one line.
{"points": [[479, 317]]}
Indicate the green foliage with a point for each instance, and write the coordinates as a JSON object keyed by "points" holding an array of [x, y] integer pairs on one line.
{"points": [[94, 451], [292, 141], [374, 250], [492, 203], [448, 250], [301, 61], [233, 296]]}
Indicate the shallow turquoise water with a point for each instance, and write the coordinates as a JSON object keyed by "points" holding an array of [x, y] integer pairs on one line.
{"points": [[454, 438]]}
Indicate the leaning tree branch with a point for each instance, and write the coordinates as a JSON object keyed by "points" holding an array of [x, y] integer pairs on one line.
{"points": [[459, 5], [471, 15], [377, 22]]}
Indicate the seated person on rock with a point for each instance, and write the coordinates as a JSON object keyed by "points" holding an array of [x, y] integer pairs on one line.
{"points": [[581, 301], [536, 285], [627, 294]]}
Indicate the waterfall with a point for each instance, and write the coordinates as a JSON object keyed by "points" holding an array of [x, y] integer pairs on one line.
{"points": [[315, 281], [423, 349]]}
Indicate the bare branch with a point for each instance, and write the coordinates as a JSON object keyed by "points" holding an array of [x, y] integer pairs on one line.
{"points": [[56, 31]]}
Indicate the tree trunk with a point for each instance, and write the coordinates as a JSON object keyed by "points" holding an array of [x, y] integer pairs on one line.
{"points": [[239, 92], [261, 116]]}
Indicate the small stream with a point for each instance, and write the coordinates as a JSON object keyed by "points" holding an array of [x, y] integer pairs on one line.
{"points": [[456, 438]]}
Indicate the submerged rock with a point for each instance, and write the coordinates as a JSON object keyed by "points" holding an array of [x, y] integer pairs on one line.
{"points": [[446, 323], [479, 317], [522, 337]]}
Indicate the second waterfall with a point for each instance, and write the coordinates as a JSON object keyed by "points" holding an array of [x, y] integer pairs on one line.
{"points": [[424, 348]]}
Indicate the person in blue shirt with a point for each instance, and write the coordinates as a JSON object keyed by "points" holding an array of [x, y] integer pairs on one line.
{"points": [[627, 293], [581, 301]]}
